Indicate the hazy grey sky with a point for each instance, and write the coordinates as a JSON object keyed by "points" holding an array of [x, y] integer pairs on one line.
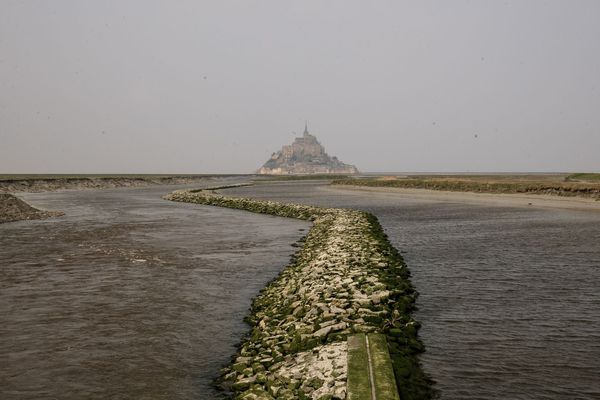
{"points": [[217, 86]]}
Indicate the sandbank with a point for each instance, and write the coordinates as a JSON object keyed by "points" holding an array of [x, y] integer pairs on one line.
{"points": [[499, 199]]}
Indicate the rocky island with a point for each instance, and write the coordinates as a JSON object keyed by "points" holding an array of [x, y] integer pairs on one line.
{"points": [[305, 156]]}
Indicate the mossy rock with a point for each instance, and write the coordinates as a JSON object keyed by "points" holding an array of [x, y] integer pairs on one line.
{"points": [[314, 383]]}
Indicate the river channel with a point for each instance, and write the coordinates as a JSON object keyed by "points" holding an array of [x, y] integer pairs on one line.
{"points": [[129, 296]]}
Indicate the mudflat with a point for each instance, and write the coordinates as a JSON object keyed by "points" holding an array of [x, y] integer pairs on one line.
{"points": [[499, 199], [46, 183], [14, 209], [585, 186]]}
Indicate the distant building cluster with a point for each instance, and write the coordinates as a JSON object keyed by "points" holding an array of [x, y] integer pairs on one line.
{"points": [[305, 156]]}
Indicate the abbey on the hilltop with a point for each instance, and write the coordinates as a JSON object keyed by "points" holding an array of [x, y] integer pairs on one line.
{"points": [[305, 156]]}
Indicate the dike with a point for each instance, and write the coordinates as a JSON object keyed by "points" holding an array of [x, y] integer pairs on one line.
{"points": [[346, 278]]}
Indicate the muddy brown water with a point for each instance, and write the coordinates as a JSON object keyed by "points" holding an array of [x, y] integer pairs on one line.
{"points": [[129, 296], [509, 297]]}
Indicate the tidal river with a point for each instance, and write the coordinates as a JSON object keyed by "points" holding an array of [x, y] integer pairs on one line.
{"points": [[509, 297], [129, 296]]}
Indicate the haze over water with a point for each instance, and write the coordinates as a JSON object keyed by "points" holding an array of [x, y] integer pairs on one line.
{"points": [[187, 86]]}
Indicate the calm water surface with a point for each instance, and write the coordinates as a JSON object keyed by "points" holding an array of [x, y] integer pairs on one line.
{"points": [[129, 296], [509, 297]]}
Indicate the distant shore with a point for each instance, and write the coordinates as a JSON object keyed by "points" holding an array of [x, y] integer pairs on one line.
{"points": [[13, 208], [580, 190], [44, 183], [500, 199]]}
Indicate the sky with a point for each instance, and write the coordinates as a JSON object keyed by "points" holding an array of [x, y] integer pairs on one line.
{"points": [[217, 86]]}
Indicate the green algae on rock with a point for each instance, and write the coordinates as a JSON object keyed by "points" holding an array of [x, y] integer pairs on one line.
{"points": [[347, 278]]}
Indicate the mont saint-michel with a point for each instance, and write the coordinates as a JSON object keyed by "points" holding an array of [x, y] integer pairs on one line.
{"points": [[305, 156]]}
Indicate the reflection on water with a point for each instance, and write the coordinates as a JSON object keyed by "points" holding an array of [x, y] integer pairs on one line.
{"points": [[509, 297], [129, 296]]}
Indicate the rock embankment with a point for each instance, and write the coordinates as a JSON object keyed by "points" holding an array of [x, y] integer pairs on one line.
{"points": [[346, 278], [14, 209]]}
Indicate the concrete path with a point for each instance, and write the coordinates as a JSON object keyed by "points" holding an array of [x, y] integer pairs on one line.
{"points": [[370, 372]]}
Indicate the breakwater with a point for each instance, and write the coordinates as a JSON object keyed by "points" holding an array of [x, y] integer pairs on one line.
{"points": [[346, 278]]}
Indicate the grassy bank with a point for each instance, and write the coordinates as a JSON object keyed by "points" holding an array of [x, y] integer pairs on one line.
{"points": [[346, 278], [550, 185], [583, 177]]}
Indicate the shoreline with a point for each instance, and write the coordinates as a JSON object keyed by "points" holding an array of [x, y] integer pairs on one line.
{"points": [[13, 209], [42, 184], [499, 199]]}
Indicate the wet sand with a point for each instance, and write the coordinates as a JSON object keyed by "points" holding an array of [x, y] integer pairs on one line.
{"points": [[506, 200]]}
